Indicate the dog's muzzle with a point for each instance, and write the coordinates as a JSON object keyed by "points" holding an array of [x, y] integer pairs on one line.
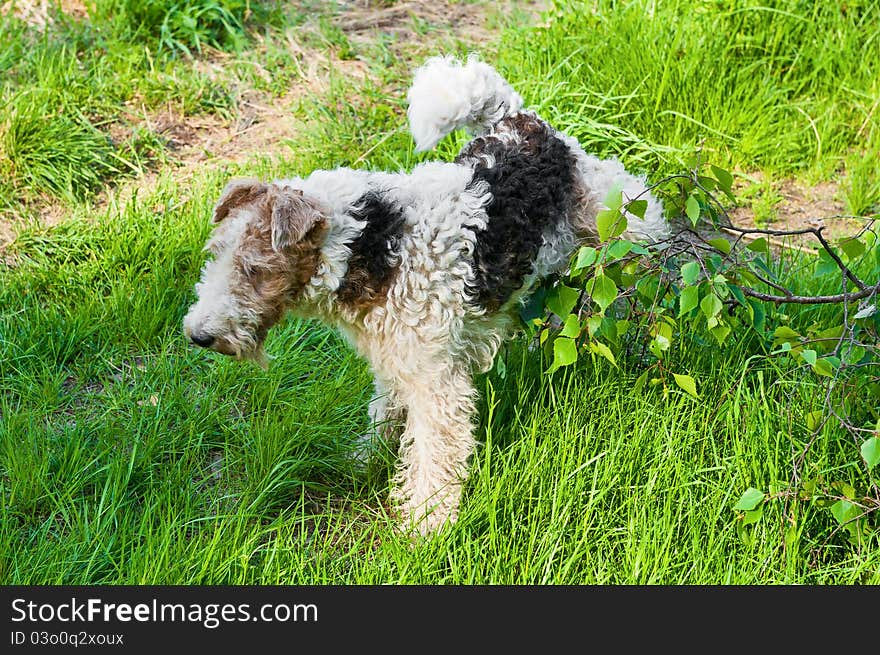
{"points": [[203, 340]]}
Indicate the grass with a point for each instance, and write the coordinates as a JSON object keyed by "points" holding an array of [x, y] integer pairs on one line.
{"points": [[75, 95], [126, 457]]}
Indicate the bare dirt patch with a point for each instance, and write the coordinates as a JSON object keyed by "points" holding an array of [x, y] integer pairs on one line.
{"points": [[39, 12], [799, 206], [408, 21]]}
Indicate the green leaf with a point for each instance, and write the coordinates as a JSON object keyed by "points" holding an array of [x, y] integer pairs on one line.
{"points": [[561, 300], [854, 355], [711, 305], [725, 179], [689, 298], [610, 223], [572, 326], [692, 209], [824, 367], [637, 207], [690, 272], [845, 488], [619, 249], [564, 353], [759, 245], [809, 356], [753, 515], [813, 420], [655, 348], [759, 315], [871, 452], [500, 366], [602, 349], [750, 499], [831, 333], [613, 271], [586, 257], [707, 182], [738, 294], [614, 197], [844, 511], [783, 333], [720, 333], [648, 286], [852, 247], [719, 286], [603, 290], [687, 383], [721, 244]]}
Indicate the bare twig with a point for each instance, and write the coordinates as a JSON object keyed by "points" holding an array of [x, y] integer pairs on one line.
{"points": [[776, 242], [813, 300]]}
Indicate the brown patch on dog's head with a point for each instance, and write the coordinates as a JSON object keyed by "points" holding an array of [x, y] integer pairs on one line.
{"points": [[279, 251], [264, 258], [293, 216], [238, 192]]}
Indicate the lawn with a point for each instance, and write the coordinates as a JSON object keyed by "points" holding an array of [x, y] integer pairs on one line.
{"points": [[127, 457]]}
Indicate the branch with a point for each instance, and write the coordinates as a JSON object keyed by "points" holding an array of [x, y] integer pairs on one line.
{"points": [[771, 240], [813, 300], [816, 232]]}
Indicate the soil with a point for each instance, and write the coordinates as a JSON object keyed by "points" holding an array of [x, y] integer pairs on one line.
{"points": [[803, 206], [264, 124]]}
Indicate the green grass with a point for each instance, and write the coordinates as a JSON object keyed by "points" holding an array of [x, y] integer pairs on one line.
{"points": [[127, 457], [788, 87], [76, 95]]}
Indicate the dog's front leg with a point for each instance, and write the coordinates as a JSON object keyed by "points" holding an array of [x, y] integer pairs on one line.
{"points": [[435, 446], [387, 419], [387, 414]]}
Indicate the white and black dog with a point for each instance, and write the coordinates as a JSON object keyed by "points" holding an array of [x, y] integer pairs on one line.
{"points": [[424, 271]]}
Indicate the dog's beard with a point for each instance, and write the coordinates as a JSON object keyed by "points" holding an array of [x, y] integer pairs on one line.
{"points": [[243, 347], [257, 355]]}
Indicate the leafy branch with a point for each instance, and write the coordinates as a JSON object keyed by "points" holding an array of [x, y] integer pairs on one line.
{"points": [[639, 302]]}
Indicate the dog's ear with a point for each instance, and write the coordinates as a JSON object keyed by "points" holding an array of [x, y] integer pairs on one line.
{"points": [[293, 216], [237, 193]]}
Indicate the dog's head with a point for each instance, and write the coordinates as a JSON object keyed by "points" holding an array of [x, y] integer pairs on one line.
{"points": [[265, 248]]}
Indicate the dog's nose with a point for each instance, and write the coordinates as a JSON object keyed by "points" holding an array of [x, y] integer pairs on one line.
{"points": [[203, 340]]}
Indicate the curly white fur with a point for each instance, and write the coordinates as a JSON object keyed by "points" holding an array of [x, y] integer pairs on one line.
{"points": [[447, 95]]}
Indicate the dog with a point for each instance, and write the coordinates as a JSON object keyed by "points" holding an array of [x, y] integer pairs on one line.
{"points": [[423, 272]]}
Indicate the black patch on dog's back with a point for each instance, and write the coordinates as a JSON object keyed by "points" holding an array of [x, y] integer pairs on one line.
{"points": [[532, 184], [373, 253]]}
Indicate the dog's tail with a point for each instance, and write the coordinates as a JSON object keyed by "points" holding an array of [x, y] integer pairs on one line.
{"points": [[446, 95]]}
